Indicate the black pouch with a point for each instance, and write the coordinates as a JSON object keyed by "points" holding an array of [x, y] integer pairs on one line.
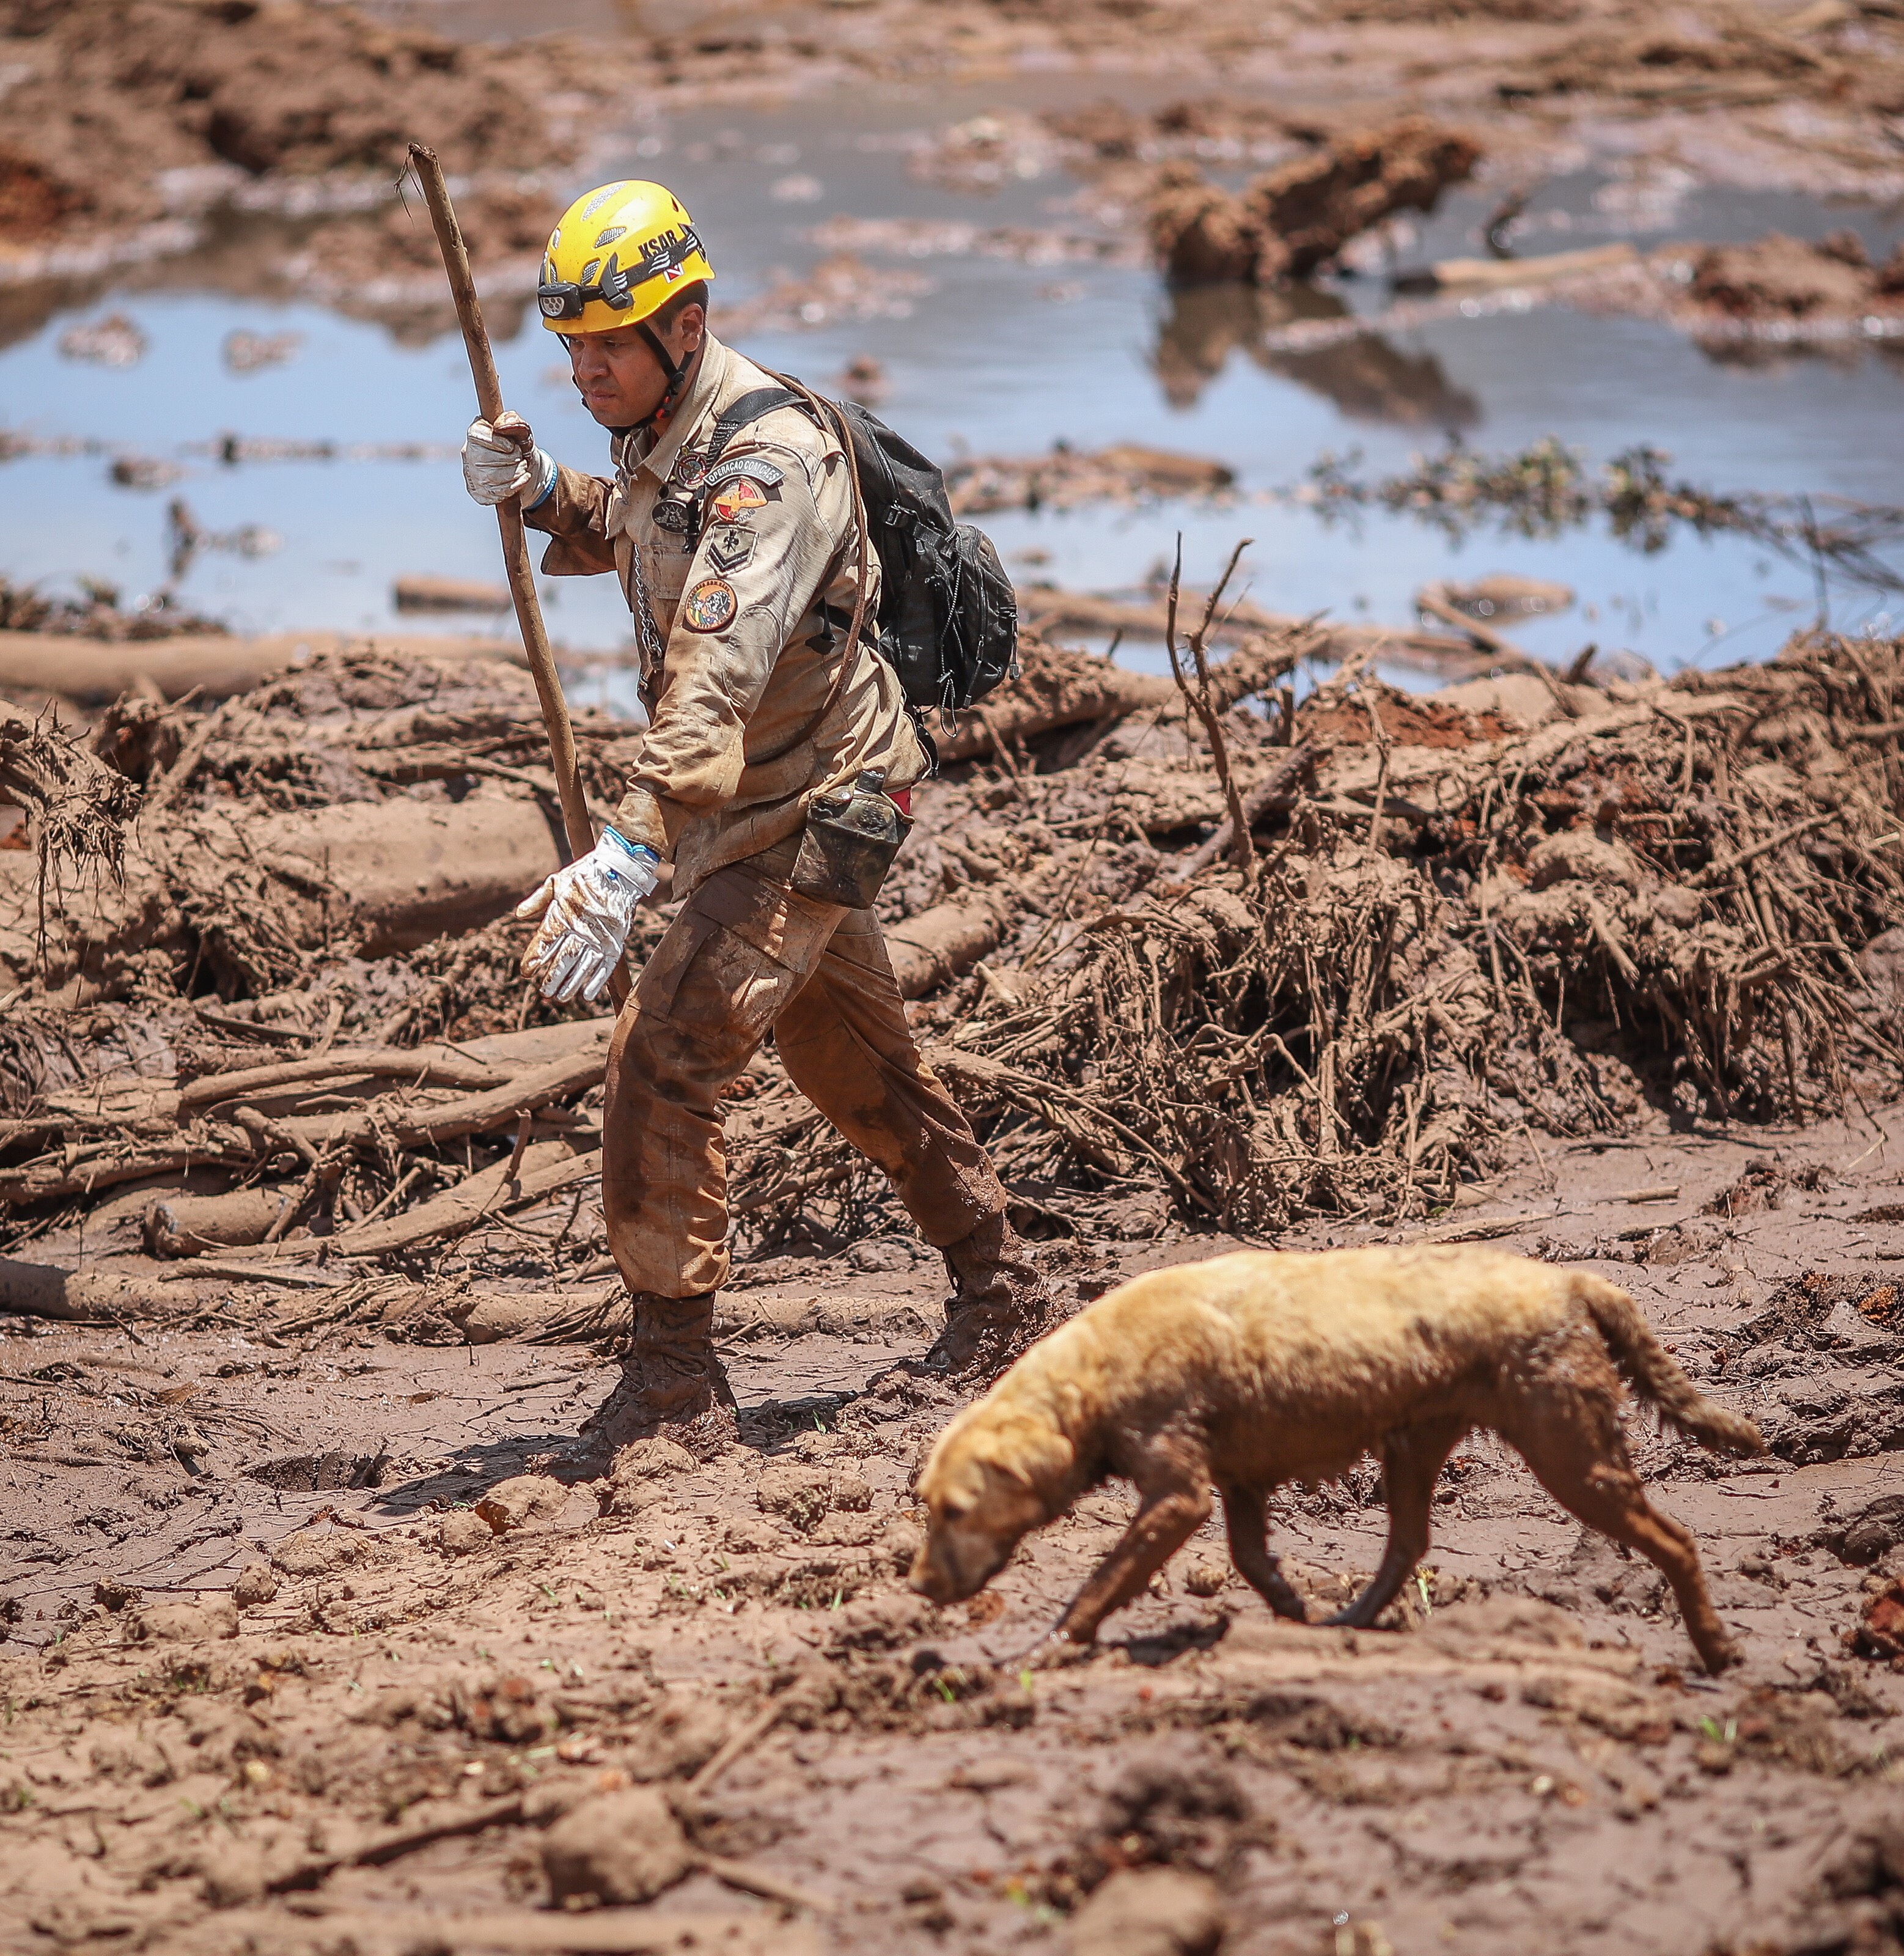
{"points": [[849, 844]]}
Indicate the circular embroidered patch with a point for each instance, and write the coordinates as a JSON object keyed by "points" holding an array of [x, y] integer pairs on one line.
{"points": [[690, 468], [709, 605], [736, 498]]}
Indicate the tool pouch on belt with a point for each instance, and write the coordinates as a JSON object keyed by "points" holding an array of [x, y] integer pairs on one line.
{"points": [[849, 844]]}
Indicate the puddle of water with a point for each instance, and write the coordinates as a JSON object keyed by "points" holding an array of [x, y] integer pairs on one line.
{"points": [[999, 357]]}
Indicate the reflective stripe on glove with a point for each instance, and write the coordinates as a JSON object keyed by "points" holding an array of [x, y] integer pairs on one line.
{"points": [[587, 910], [502, 461]]}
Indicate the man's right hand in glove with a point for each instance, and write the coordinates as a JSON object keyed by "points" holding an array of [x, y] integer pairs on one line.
{"points": [[501, 460], [587, 910]]}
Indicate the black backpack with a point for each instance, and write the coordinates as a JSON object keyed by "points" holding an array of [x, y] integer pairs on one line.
{"points": [[948, 616]]}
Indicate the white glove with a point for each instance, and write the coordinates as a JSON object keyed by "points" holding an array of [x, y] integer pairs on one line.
{"points": [[587, 910], [496, 467]]}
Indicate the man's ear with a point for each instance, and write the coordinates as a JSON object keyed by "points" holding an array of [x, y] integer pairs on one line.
{"points": [[691, 329]]}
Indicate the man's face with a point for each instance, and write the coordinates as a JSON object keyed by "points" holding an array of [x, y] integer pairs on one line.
{"points": [[620, 381]]}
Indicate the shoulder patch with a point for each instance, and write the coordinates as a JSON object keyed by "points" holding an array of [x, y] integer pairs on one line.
{"points": [[740, 497], [730, 546], [709, 606], [768, 474], [690, 468]]}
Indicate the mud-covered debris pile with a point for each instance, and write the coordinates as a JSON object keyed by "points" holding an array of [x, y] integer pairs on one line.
{"points": [[1511, 904], [109, 98], [1692, 63], [1126, 472], [1780, 278], [1517, 903], [98, 613], [1297, 216]]}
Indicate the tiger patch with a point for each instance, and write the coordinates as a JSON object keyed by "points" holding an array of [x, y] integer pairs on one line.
{"points": [[709, 606]]}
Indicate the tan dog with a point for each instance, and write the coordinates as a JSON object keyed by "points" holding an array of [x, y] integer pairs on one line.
{"points": [[1255, 1369]]}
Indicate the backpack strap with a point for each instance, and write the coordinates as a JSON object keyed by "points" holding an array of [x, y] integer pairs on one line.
{"points": [[737, 414], [832, 421], [790, 393]]}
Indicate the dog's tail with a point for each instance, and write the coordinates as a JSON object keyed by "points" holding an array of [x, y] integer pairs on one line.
{"points": [[1651, 1371]]}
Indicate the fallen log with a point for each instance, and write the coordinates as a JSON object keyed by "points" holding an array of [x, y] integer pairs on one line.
{"points": [[407, 1127], [44, 1290], [95, 672], [944, 942], [422, 1066], [542, 1316], [55, 1180], [422, 592], [1502, 274], [1059, 687], [187, 1226], [406, 871], [1433, 651]]}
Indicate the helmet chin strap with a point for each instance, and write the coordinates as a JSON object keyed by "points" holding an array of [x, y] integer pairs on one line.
{"points": [[675, 369]]}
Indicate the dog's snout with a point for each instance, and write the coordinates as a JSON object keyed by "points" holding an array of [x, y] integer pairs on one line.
{"points": [[929, 1576]]}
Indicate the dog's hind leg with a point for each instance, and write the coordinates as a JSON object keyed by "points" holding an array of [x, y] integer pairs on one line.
{"points": [[1167, 1519], [1247, 1526], [1571, 1439], [1410, 1459]]}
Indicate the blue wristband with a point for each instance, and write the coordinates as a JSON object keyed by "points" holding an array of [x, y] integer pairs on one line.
{"points": [[547, 490], [634, 848]]}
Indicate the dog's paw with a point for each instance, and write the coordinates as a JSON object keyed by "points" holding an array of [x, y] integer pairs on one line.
{"points": [[1054, 1652]]}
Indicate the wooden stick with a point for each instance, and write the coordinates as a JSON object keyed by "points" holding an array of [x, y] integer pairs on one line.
{"points": [[508, 517], [749, 1736], [1726, 865], [1276, 789], [1430, 600]]}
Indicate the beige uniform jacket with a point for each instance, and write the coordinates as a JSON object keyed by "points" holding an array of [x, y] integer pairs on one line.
{"points": [[739, 670]]}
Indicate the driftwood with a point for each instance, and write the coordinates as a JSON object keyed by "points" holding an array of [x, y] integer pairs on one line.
{"points": [[188, 1225], [422, 1066], [1059, 688], [40, 1290], [944, 942], [94, 672], [1432, 651], [1275, 793]]}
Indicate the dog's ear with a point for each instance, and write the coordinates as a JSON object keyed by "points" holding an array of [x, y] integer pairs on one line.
{"points": [[1031, 1452]]}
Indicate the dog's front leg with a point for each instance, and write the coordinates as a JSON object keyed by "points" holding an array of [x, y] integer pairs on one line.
{"points": [[1163, 1525]]}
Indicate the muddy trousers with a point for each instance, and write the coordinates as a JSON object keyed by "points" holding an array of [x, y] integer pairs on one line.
{"points": [[746, 955]]}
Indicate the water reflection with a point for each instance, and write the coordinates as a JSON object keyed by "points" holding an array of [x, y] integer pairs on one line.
{"points": [[1368, 379]]}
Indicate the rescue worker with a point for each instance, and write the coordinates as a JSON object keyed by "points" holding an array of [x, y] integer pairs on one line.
{"points": [[757, 702]]}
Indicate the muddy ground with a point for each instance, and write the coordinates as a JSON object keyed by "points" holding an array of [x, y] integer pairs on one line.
{"points": [[1529, 1759], [306, 1290]]}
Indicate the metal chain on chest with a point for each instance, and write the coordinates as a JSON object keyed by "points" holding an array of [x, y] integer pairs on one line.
{"points": [[646, 633]]}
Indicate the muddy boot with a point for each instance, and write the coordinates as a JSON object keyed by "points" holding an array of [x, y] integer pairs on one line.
{"points": [[1000, 1305], [672, 1382]]}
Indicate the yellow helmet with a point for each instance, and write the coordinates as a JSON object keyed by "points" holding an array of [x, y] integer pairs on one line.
{"points": [[618, 255]]}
